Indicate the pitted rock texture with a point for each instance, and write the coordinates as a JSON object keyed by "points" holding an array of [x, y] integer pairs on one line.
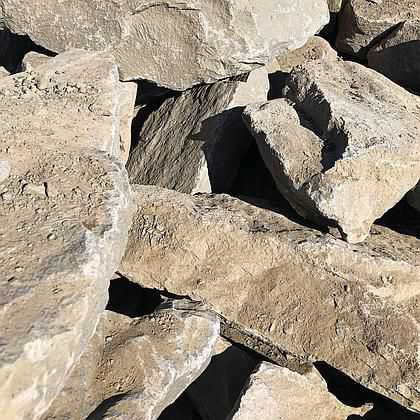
{"points": [[174, 44], [65, 208], [300, 295], [349, 136], [397, 56], [141, 364], [362, 23], [277, 393], [194, 142]]}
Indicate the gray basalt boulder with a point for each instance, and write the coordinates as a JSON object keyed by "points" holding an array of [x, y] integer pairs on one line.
{"points": [[65, 209], [194, 142], [397, 56], [345, 148], [140, 364], [179, 44], [362, 23], [277, 393], [300, 295]]}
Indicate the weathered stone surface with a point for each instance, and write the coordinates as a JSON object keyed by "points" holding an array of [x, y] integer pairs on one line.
{"points": [[33, 60], [299, 295], [413, 197], [335, 5], [194, 142], [397, 56], [65, 209], [3, 72], [361, 23], [347, 150], [208, 40], [277, 393], [148, 362], [75, 99]]}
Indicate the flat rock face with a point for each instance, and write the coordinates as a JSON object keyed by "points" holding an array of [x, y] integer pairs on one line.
{"points": [[65, 206], [361, 23], [397, 56], [194, 142], [300, 295], [346, 149], [277, 393], [147, 361], [210, 40]]}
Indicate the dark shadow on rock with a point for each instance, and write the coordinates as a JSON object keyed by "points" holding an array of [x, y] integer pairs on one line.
{"points": [[99, 412], [14, 47], [181, 409], [214, 394], [353, 394], [402, 218], [329, 32], [277, 82], [130, 299]]}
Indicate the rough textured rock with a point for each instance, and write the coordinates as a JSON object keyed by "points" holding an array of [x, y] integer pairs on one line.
{"points": [[413, 197], [194, 142], [361, 23], [347, 151], [209, 40], [397, 56], [147, 362], [299, 295], [65, 208], [335, 5], [277, 393], [33, 60], [3, 72]]}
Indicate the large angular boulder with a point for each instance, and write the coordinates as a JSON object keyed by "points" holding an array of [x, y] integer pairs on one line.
{"points": [[277, 393], [194, 142], [361, 23], [397, 56], [287, 291], [346, 149], [179, 44], [141, 364], [65, 208]]}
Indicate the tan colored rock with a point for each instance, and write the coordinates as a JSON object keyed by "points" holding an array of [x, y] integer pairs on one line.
{"points": [[65, 209], [277, 393], [346, 150], [3, 72], [361, 23], [147, 361], [194, 142], [299, 295], [209, 41], [397, 55], [33, 60], [315, 49], [335, 5]]}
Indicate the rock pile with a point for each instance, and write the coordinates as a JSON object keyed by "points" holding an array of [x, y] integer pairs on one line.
{"points": [[210, 210]]}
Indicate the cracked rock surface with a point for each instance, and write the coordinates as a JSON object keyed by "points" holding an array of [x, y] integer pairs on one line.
{"points": [[208, 40], [309, 295], [134, 368], [65, 206]]}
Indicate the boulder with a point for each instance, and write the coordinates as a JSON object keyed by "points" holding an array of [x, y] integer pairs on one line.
{"points": [[397, 56], [208, 41], [277, 393], [299, 295], [194, 142], [346, 149], [32, 60], [134, 368], [361, 23], [65, 208]]}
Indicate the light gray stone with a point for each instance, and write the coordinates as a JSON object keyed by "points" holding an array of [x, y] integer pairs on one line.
{"points": [[194, 142], [397, 56], [134, 368], [179, 44], [65, 208], [346, 150], [277, 393], [3, 72], [299, 295], [361, 23], [32, 60]]}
